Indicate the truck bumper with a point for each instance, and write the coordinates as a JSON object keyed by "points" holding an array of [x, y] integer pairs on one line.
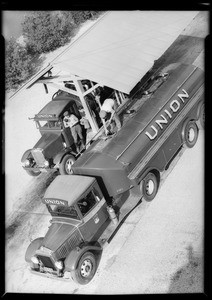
{"points": [[66, 276], [43, 170]]}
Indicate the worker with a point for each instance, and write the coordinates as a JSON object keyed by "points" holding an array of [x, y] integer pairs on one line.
{"points": [[108, 110], [90, 99], [84, 121], [70, 120]]}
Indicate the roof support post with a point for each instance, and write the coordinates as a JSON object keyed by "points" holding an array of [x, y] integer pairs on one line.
{"points": [[80, 92], [117, 97]]}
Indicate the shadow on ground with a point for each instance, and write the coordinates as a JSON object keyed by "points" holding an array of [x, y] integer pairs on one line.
{"points": [[189, 278], [28, 203]]}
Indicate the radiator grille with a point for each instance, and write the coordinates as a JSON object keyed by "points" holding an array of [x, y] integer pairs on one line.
{"points": [[46, 261], [70, 244], [38, 156]]}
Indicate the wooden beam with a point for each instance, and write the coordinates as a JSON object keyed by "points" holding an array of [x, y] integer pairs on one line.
{"points": [[54, 81], [117, 97], [63, 88], [32, 80], [89, 116], [91, 89]]}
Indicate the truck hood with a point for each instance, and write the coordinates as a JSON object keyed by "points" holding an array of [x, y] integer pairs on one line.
{"points": [[57, 234], [51, 143]]}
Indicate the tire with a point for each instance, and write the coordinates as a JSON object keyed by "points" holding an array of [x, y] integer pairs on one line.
{"points": [[65, 167], [86, 269], [190, 134], [33, 172], [202, 116], [149, 186]]}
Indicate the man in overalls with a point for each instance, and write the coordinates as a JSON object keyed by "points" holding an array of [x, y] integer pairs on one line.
{"points": [[70, 120]]}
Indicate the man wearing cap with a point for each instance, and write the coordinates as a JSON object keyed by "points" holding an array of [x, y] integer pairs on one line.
{"points": [[108, 110], [70, 120]]}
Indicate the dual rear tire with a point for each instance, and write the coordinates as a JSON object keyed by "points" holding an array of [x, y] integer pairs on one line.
{"points": [[150, 184], [190, 134]]}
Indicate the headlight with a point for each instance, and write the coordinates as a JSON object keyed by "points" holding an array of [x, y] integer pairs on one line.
{"points": [[26, 163], [35, 260], [64, 144], [59, 264], [46, 163]]}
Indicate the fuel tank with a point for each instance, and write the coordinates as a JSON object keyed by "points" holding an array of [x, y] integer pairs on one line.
{"points": [[111, 161]]}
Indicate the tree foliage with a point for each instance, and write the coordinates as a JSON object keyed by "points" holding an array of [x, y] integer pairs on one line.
{"points": [[18, 64], [46, 31], [80, 16], [43, 31]]}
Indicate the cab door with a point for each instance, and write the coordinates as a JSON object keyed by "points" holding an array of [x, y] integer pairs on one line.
{"points": [[93, 208], [68, 138]]}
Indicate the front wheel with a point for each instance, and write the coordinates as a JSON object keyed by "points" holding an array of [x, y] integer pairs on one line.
{"points": [[149, 187], [66, 164], [86, 269], [190, 134], [33, 172]]}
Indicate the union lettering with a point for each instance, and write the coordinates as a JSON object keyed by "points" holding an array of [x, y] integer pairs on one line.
{"points": [[55, 201], [167, 115]]}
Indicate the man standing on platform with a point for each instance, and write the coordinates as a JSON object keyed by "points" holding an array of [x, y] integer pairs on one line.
{"points": [[72, 121], [108, 111]]}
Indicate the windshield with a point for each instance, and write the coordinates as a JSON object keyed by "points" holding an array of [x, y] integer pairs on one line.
{"points": [[49, 124], [63, 211]]}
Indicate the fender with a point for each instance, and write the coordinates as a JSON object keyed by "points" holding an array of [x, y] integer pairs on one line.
{"points": [[58, 158], [148, 170], [72, 259], [201, 104], [26, 155], [33, 246]]}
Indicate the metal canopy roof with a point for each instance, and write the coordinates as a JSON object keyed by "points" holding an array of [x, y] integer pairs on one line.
{"points": [[121, 47]]}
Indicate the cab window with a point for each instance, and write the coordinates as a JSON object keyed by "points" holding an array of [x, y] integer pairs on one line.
{"points": [[87, 203], [64, 211], [48, 124]]}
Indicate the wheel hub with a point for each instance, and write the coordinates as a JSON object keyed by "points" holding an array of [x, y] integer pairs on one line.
{"points": [[150, 187], [191, 135], [86, 268], [69, 164]]}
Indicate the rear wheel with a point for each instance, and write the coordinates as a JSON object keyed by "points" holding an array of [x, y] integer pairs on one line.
{"points": [[33, 172], [149, 186], [190, 134], [86, 269], [66, 164]]}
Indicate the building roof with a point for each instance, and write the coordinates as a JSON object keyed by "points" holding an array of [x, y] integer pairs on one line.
{"points": [[122, 46], [68, 187]]}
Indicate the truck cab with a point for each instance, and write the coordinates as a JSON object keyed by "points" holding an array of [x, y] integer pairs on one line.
{"points": [[79, 216], [55, 148]]}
